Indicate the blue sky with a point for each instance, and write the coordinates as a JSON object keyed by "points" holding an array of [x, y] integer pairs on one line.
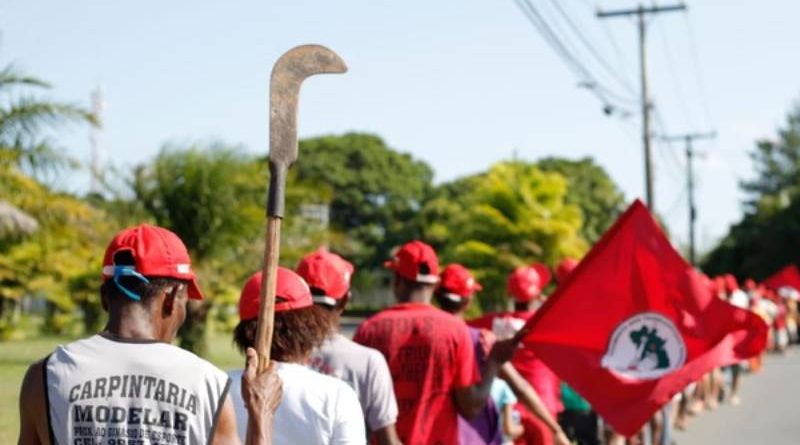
{"points": [[460, 84]]}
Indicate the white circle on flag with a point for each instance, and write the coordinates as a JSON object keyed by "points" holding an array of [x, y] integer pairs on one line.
{"points": [[645, 346]]}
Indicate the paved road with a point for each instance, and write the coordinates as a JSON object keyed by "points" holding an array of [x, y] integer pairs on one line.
{"points": [[769, 413]]}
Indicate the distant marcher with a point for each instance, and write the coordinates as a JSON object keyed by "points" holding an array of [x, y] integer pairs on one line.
{"points": [[429, 352], [740, 299], [316, 408], [364, 369], [525, 286], [128, 380], [454, 295], [505, 400]]}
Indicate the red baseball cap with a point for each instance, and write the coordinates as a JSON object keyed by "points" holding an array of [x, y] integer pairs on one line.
{"points": [[564, 268], [327, 272], [156, 251], [291, 293], [719, 280], [544, 274], [416, 261], [709, 284], [524, 284], [457, 283], [730, 283]]}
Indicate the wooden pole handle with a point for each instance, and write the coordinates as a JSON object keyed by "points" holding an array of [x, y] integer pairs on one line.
{"points": [[269, 281]]}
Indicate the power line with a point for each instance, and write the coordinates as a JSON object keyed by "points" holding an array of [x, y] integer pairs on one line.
{"points": [[671, 155], [676, 84], [573, 63], [535, 18], [698, 73], [689, 139], [614, 44], [675, 205], [592, 50]]}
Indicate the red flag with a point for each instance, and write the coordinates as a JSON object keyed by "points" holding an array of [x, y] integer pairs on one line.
{"points": [[634, 324], [789, 276]]}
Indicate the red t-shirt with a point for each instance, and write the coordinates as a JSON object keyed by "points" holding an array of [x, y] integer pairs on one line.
{"points": [[430, 353], [544, 381]]}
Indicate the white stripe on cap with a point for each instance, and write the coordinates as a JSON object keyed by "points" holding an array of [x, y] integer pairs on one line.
{"points": [[324, 299], [455, 298], [432, 279], [184, 268]]}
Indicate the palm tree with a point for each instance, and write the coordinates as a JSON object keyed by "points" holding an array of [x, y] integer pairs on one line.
{"points": [[25, 118]]}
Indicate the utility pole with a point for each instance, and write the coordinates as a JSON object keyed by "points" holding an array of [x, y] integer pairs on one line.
{"points": [[689, 138], [641, 12]]}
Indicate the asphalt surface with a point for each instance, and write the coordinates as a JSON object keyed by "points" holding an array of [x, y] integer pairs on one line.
{"points": [[768, 414]]}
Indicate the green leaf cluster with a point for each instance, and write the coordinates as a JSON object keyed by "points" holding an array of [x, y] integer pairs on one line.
{"points": [[512, 215], [768, 236]]}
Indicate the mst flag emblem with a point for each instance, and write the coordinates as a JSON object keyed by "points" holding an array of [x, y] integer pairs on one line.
{"points": [[645, 346], [634, 324]]}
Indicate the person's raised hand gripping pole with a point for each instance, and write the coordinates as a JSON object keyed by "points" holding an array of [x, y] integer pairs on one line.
{"points": [[262, 393]]}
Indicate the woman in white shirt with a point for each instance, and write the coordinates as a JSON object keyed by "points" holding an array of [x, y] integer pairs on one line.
{"points": [[315, 409]]}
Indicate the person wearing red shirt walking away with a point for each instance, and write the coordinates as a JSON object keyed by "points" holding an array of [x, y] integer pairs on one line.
{"points": [[525, 286], [429, 352], [454, 295]]}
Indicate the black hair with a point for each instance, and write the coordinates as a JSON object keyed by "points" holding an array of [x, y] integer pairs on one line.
{"points": [[146, 291], [338, 306], [447, 304], [412, 285]]}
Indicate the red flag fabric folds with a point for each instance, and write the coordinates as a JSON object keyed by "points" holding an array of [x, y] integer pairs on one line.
{"points": [[634, 324], [789, 276]]}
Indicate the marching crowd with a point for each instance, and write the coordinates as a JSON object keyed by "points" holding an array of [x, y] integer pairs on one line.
{"points": [[415, 373]]}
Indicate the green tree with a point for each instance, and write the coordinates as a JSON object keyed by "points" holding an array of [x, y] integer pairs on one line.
{"points": [[68, 244], [210, 196], [512, 215], [776, 163], [760, 244], [40, 264], [213, 196], [592, 190], [376, 192], [768, 236], [25, 119]]}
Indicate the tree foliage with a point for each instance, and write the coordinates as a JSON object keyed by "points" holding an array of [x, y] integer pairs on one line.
{"points": [[512, 215], [376, 191], [776, 163], [590, 189], [768, 236], [25, 120], [68, 243], [64, 244], [213, 196], [760, 244]]}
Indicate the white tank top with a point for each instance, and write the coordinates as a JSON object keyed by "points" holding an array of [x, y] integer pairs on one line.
{"points": [[104, 391]]}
